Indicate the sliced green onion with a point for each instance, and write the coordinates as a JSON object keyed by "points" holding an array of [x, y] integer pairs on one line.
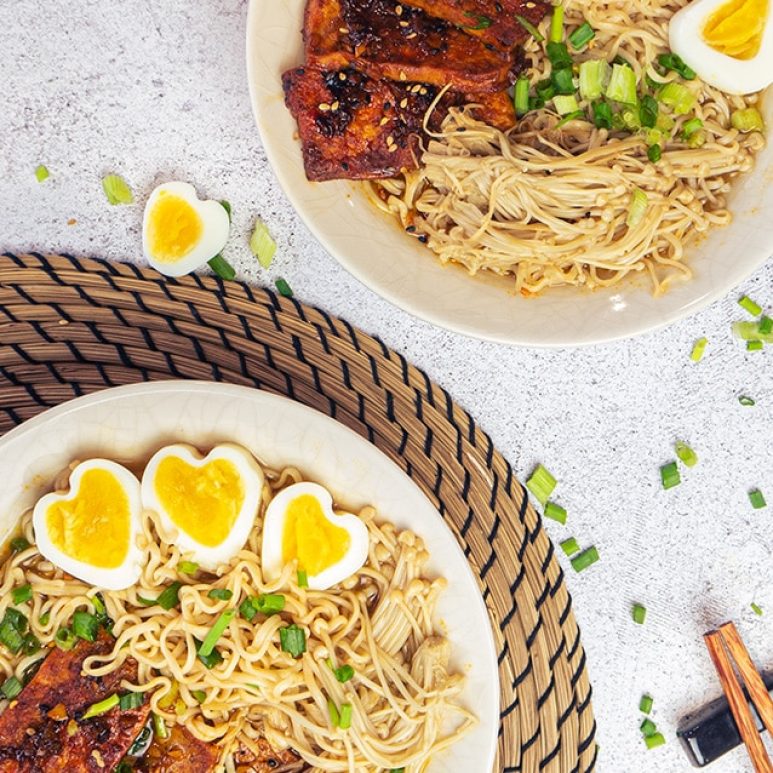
{"points": [[594, 75], [397, 770], [345, 721], [216, 632], [41, 173], [696, 139], [622, 85], [167, 599], [65, 639], [648, 728], [262, 245], [565, 104], [570, 546], [102, 707], [44, 619], [293, 640], [116, 190], [754, 346], [563, 81], [631, 119], [669, 475], [11, 687], [221, 594], [645, 704], [648, 111], [654, 740], [303, 579], [267, 604], [757, 499], [85, 625], [555, 512], [344, 673], [677, 64], [226, 205], [131, 700], [530, 28], [637, 208], [757, 609], [19, 544], [765, 325], [187, 567], [746, 400], [199, 695], [582, 36], [557, 24], [210, 661], [746, 303], [541, 484], [159, 727], [558, 54], [751, 331], [685, 454], [654, 153], [545, 89], [639, 613], [481, 22], [678, 97], [698, 348], [577, 115], [602, 115], [31, 644], [748, 119], [21, 594], [690, 127], [333, 712], [284, 288], [222, 267], [521, 96], [587, 558]]}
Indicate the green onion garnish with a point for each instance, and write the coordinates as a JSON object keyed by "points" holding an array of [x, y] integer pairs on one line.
{"points": [[752, 331], [85, 625], [333, 712], [747, 120], [622, 85], [558, 54], [530, 28], [678, 97], [21, 594], [637, 208], [765, 325], [557, 24], [565, 104], [745, 302], [545, 89], [167, 599], [41, 173], [199, 695], [654, 153], [116, 190], [563, 82], [222, 267], [397, 770], [754, 346], [677, 64], [696, 355], [159, 727], [648, 111], [746, 401], [757, 609], [521, 97], [577, 115], [303, 579], [43, 620], [648, 728], [588, 557], [541, 484], [344, 673], [570, 546], [284, 288], [226, 205], [19, 544], [690, 127], [210, 661], [685, 454], [639, 613], [65, 639], [131, 700], [11, 687], [293, 640], [602, 115], [645, 704], [555, 512], [654, 740], [582, 36], [221, 594], [97, 709], [216, 632], [345, 720], [266, 604], [31, 644], [262, 245], [593, 78], [187, 567], [757, 499], [481, 22], [669, 475]]}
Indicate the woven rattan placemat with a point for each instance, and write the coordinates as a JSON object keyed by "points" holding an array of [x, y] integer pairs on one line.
{"points": [[70, 326]]}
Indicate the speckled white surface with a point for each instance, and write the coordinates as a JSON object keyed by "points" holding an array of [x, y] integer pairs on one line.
{"points": [[157, 90]]}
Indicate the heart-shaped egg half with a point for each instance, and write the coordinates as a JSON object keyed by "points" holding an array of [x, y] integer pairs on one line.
{"points": [[301, 525], [180, 232], [90, 532], [209, 502], [729, 43]]}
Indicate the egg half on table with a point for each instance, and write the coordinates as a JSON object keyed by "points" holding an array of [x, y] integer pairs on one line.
{"points": [[301, 525], [729, 43], [209, 503], [180, 232], [90, 531]]}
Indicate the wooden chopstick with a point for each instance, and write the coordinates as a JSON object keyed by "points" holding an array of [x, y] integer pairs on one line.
{"points": [[723, 644]]}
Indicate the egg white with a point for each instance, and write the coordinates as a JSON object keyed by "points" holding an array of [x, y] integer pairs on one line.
{"points": [[208, 557], [215, 228], [118, 578], [731, 75], [273, 531]]}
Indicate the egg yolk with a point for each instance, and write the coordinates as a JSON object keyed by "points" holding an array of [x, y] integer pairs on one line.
{"points": [[93, 527], [203, 501], [735, 28], [310, 537], [174, 227]]}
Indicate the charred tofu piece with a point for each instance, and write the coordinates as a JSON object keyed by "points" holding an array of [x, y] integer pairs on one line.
{"points": [[264, 759], [385, 39], [493, 21], [182, 752], [494, 109], [43, 731]]}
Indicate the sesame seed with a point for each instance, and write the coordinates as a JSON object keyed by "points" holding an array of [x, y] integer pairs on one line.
{"points": [[392, 148], [341, 76], [531, 5], [423, 91], [403, 23], [324, 107], [404, 103], [411, 36], [335, 105], [344, 30], [415, 89], [384, 121], [390, 140], [399, 10], [403, 76]]}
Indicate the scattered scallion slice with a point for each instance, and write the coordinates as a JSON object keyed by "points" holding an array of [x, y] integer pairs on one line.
{"points": [[648, 111], [587, 558], [594, 75], [748, 119], [669, 475], [481, 22], [685, 454], [602, 115], [639, 613], [582, 36], [19, 544], [565, 104], [210, 661], [226, 205], [344, 673], [41, 173], [654, 153], [648, 728], [65, 639], [187, 567], [199, 695], [757, 499], [345, 716], [222, 268], [699, 347], [754, 346], [545, 90], [637, 208], [746, 401], [21, 594], [102, 707], [757, 609], [262, 245], [622, 85], [11, 687], [217, 630], [570, 546], [746, 303], [521, 97], [645, 704], [221, 594], [751, 331], [677, 64], [558, 54], [332, 711], [116, 190], [677, 97], [160, 729], [690, 127], [530, 28], [268, 604], [577, 115], [557, 24], [563, 82], [44, 619], [654, 740], [284, 288], [31, 644], [293, 640], [303, 579], [555, 512], [85, 625], [131, 700], [167, 599], [541, 484], [765, 325]]}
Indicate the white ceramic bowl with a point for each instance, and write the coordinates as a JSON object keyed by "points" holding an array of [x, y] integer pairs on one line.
{"points": [[394, 265], [130, 423]]}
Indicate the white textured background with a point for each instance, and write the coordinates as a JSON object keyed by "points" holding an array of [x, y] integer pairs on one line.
{"points": [[156, 90]]}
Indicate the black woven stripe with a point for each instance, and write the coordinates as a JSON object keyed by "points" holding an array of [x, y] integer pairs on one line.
{"points": [[586, 702], [12, 415], [559, 582], [579, 671], [586, 742], [520, 678], [507, 711], [534, 632], [554, 658], [543, 597], [568, 712], [548, 557], [550, 756], [504, 652], [467, 523], [592, 765], [542, 699], [492, 502], [572, 651], [529, 742]]}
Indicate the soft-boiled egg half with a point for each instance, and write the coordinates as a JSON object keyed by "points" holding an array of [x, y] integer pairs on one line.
{"points": [[301, 525], [729, 43], [90, 532], [180, 232], [208, 503]]}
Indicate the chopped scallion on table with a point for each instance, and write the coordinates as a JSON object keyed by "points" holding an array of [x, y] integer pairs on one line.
{"points": [[648, 727], [685, 454], [757, 609], [557, 24], [588, 557], [555, 512], [639, 613], [21, 594], [654, 740], [746, 303], [217, 630], [746, 400], [116, 190], [699, 347], [222, 267], [226, 205], [41, 173], [570, 546], [765, 325], [669, 475], [102, 707], [753, 331], [284, 288], [582, 36], [757, 499], [293, 640], [541, 484], [645, 704], [754, 346], [262, 245]]}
